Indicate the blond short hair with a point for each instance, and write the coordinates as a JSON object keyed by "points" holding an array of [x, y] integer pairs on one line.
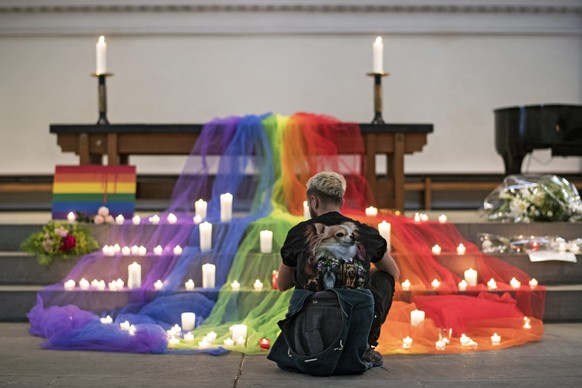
{"points": [[328, 186]]}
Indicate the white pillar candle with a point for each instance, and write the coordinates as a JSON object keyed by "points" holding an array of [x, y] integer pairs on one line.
{"points": [[533, 283], [306, 213], [101, 51], [492, 284], [155, 219], [371, 211], [200, 208], [126, 251], [84, 284], [266, 237], [134, 275], [385, 228], [107, 320], [406, 342], [158, 285], [471, 277], [188, 321], [171, 218], [416, 317], [208, 275], [258, 285], [440, 345], [189, 337], [189, 285], [70, 285], [136, 220], [462, 285], [514, 283], [196, 219], [134, 250], [235, 286], [436, 249], [142, 251], [378, 56], [461, 249], [119, 219], [158, 250], [495, 339], [229, 342], [205, 230], [177, 250], [405, 285], [442, 219], [239, 331], [435, 283], [71, 217], [226, 207]]}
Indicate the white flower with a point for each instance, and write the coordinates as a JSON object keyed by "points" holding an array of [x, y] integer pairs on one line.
{"points": [[518, 206], [549, 213]]}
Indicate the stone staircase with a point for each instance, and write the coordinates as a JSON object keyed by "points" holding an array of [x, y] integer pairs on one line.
{"points": [[21, 277]]}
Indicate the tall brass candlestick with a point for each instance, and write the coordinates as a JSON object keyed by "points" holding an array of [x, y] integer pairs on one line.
{"points": [[102, 94], [378, 96]]}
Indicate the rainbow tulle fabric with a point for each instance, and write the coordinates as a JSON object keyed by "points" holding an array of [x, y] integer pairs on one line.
{"points": [[265, 162]]}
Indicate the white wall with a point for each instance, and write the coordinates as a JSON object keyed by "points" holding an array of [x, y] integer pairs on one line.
{"points": [[448, 67]]}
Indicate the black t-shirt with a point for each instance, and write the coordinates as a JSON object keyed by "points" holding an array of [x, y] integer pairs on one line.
{"points": [[332, 251]]}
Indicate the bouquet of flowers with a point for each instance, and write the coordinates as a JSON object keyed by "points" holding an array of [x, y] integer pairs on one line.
{"points": [[59, 239], [533, 198]]}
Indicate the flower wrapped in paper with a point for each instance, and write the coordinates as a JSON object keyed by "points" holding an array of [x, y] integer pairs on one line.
{"points": [[527, 198]]}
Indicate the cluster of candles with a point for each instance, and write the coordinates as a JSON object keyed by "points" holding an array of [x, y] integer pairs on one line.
{"points": [[442, 342], [470, 279], [437, 250], [423, 217]]}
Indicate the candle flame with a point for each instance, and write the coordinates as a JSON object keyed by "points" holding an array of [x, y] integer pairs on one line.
{"points": [[101, 39], [379, 39]]}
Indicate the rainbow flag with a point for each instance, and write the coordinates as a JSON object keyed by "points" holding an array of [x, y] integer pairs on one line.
{"points": [[84, 189]]}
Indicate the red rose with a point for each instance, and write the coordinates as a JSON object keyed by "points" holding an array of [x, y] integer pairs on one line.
{"points": [[68, 243]]}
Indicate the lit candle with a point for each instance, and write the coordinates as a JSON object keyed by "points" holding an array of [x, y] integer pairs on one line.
{"points": [[225, 207], [274, 278], [101, 50], [134, 275], [203, 344], [208, 275], [158, 250], [435, 283], [462, 285], [491, 284], [266, 238], [188, 321], [134, 250], [526, 323], [70, 285], [112, 285], [120, 284], [84, 284], [378, 56], [177, 250], [240, 341], [205, 236], [442, 219], [405, 285], [126, 251], [142, 251], [440, 345], [124, 325], [197, 219], [461, 249], [101, 285], [211, 336], [189, 285], [189, 337], [514, 283], [176, 330], [471, 277], [136, 220], [200, 207], [416, 317], [258, 285], [416, 217], [158, 285], [155, 219], [119, 219], [235, 286], [107, 320], [71, 217], [533, 283], [229, 342], [384, 229], [436, 250], [423, 217], [464, 340], [116, 248], [265, 344], [407, 343], [306, 213], [239, 331], [371, 211], [172, 219], [105, 250], [495, 339]]}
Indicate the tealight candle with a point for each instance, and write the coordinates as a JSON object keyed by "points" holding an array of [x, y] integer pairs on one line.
{"points": [[107, 320], [134, 275], [533, 283], [142, 251], [306, 213], [155, 219], [101, 285], [105, 250], [442, 218], [136, 220], [416, 317], [461, 249], [423, 217], [229, 342], [200, 207], [526, 323], [371, 211], [204, 344], [266, 239], [208, 275], [84, 284], [188, 321], [173, 341], [177, 250], [116, 248], [158, 250], [119, 219], [235, 285], [124, 325], [189, 285], [495, 339], [158, 285], [265, 344], [258, 285], [514, 283], [196, 219], [471, 277], [385, 229], [71, 217], [436, 250], [205, 230], [240, 341], [416, 217], [134, 250], [464, 340], [172, 219], [407, 343], [491, 284], [126, 251], [462, 285], [95, 283], [189, 337], [176, 329], [239, 331], [440, 345], [70, 285], [435, 283], [112, 285], [405, 285], [226, 207], [120, 284], [211, 336]]}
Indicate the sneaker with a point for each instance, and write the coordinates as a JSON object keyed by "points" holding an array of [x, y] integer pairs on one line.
{"points": [[373, 357]]}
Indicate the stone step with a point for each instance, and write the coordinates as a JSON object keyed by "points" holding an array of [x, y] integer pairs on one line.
{"points": [[17, 268]]}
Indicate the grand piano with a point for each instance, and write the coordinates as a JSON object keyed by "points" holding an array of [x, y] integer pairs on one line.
{"points": [[521, 129]]}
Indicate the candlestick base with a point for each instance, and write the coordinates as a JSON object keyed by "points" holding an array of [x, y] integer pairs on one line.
{"points": [[102, 94], [378, 120]]}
